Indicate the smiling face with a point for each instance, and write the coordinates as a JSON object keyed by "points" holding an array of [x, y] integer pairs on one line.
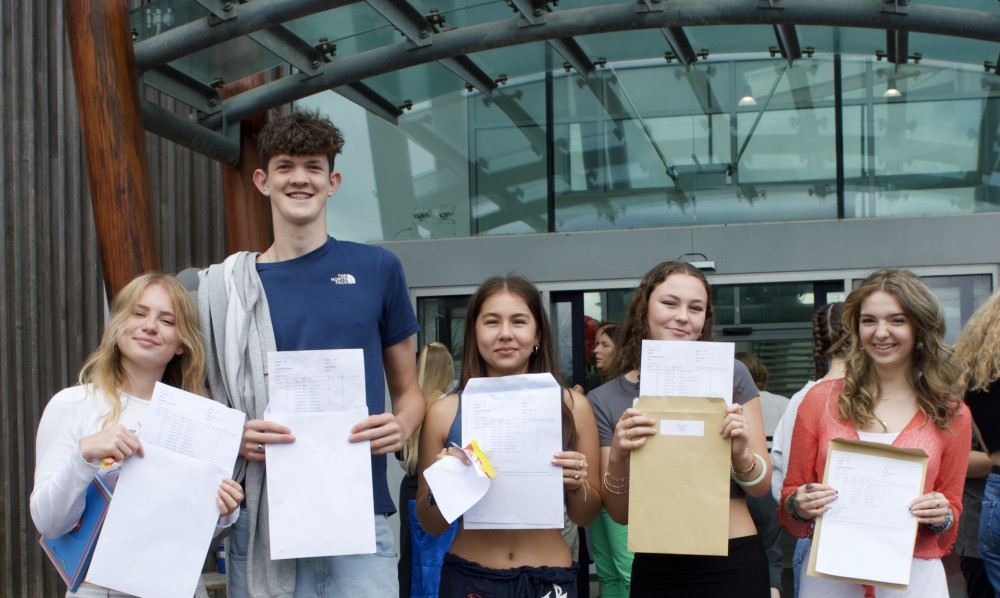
{"points": [[677, 308], [506, 334], [298, 187], [886, 332], [149, 338]]}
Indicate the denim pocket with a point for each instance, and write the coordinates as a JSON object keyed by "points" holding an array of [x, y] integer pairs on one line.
{"points": [[239, 536]]}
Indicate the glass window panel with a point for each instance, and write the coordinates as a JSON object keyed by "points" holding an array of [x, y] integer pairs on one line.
{"points": [[776, 303], [153, 18], [658, 91], [353, 28], [511, 185], [927, 137], [562, 327], [724, 305], [229, 61], [959, 296], [416, 84], [789, 145]]}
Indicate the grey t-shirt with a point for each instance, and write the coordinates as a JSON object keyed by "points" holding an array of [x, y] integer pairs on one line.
{"points": [[610, 400]]}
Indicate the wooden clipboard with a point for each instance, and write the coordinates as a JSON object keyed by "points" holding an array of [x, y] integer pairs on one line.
{"points": [[878, 450], [679, 480]]}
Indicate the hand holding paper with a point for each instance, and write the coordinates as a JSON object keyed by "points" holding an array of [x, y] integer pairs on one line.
{"points": [[457, 486]]}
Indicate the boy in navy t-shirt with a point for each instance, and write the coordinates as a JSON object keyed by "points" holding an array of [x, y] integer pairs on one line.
{"points": [[309, 291]]}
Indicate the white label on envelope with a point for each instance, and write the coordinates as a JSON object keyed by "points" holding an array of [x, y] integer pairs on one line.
{"points": [[682, 427]]}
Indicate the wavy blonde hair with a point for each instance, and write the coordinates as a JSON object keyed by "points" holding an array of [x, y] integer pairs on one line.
{"points": [[932, 372], [435, 373], [103, 368], [978, 348]]}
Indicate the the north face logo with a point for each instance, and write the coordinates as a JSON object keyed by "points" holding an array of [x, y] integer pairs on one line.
{"points": [[343, 279]]}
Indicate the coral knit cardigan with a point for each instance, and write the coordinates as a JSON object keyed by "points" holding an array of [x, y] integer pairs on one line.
{"points": [[818, 423]]}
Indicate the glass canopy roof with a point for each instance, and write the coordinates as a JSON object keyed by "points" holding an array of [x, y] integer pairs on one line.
{"points": [[388, 55]]}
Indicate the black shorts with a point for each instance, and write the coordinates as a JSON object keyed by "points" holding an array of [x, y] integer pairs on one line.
{"points": [[464, 579], [744, 573]]}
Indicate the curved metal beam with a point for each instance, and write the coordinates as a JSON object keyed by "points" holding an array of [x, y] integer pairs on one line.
{"points": [[862, 14], [207, 32]]}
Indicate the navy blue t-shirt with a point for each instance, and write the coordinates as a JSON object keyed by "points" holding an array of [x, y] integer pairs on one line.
{"points": [[343, 295]]}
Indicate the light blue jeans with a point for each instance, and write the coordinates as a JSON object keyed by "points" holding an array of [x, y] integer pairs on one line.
{"points": [[989, 531], [800, 559], [355, 575]]}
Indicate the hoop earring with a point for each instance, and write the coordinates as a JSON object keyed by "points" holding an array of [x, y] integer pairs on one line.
{"points": [[534, 349]]}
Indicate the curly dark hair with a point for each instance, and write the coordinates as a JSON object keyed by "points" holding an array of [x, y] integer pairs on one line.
{"points": [[636, 328], [300, 133]]}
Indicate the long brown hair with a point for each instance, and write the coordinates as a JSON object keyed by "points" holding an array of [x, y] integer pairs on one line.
{"points": [[636, 328], [544, 360], [932, 373], [103, 368]]}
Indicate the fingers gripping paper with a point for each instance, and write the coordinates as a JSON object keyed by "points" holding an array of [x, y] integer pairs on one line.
{"points": [[679, 488]]}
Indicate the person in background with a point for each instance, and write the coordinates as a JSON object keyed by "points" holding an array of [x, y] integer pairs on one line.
{"points": [[604, 348], [674, 302], [420, 554], [828, 355], [508, 333], [978, 354], [898, 389], [609, 540], [771, 405], [89, 430], [763, 509]]}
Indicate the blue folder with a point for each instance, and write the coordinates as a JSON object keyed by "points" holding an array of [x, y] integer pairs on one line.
{"points": [[71, 552]]}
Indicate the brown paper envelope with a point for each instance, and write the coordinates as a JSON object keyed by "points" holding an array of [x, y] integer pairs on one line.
{"points": [[679, 485], [866, 448]]}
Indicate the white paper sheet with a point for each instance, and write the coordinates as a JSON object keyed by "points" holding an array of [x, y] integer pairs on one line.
{"points": [[687, 369], [193, 426], [163, 513], [316, 381], [319, 488], [456, 486], [517, 421], [869, 532]]}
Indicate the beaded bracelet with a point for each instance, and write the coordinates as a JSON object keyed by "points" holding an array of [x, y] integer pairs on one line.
{"points": [[937, 529], [763, 472], [792, 506]]}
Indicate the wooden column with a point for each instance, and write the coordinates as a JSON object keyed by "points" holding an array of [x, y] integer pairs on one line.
{"points": [[248, 213], [108, 98]]}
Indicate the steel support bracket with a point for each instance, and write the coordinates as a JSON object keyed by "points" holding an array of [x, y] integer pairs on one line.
{"points": [[650, 6], [408, 20], [532, 11], [289, 47], [896, 7], [187, 90], [223, 10]]}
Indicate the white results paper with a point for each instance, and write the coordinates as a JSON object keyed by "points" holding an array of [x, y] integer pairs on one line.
{"points": [[163, 513], [517, 421], [319, 488], [687, 369], [869, 532]]}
